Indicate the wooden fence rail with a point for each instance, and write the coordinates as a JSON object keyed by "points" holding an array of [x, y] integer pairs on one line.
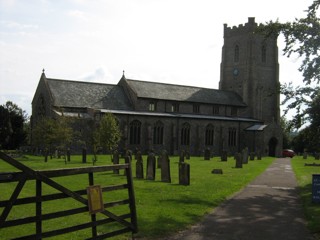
{"points": [[46, 177]]}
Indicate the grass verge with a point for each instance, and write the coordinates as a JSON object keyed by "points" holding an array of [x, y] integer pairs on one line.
{"points": [[304, 178]]}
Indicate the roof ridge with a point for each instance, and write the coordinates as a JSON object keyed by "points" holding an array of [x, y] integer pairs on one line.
{"points": [[79, 81]]}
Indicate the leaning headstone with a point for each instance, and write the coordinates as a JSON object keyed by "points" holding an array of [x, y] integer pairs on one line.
{"points": [[184, 173], [224, 156], [139, 166], [84, 155], [165, 168], [181, 156], [245, 156], [238, 160], [305, 155], [115, 160], [151, 167], [207, 154], [251, 156]]}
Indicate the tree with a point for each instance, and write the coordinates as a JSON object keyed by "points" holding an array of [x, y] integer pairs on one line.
{"points": [[12, 131], [109, 132], [302, 37], [52, 133]]}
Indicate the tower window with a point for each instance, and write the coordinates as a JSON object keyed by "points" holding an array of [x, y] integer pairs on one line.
{"points": [[264, 54], [236, 53]]}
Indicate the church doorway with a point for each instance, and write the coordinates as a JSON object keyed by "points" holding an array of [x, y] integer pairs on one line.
{"points": [[273, 142]]}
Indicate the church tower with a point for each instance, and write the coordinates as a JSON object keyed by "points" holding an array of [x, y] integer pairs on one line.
{"points": [[250, 67]]}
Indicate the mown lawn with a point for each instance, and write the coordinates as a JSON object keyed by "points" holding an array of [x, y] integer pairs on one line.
{"points": [[162, 208], [304, 177]]}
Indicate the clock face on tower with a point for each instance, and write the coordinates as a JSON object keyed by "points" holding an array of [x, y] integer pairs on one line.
{"points": [[235, 72]]}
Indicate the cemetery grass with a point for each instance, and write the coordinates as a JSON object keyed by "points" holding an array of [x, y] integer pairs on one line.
{"points": [[162, 208], [304, 178]]}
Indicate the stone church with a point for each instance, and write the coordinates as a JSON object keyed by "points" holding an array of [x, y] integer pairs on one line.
{"points": [[243, 112]]}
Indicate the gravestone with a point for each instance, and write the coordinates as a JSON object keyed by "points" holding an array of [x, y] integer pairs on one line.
{"points": [[84, 155], [252, 156], [68, 154], [259, 155], [151, 167], [217, 171], [139, 166], [184, 173], [187, 155], [165, 167], [305, 155], [238, 160], [317, 156], [207, 154], [245, 156], [115, 160], [159, 161], [224, 156], [181, 156]]}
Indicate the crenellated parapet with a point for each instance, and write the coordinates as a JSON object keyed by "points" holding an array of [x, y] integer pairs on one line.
{"points": [[250, 26]]}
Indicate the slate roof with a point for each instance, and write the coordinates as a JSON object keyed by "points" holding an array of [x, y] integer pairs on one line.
{"points": [[86, 94], [173, 92]]}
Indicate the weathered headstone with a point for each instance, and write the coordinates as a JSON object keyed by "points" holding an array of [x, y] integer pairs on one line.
{"points": [[207, 154], [238, 160], [159, 161], [68, 154], [115, 160], [305, 155], [259, 155], [217, 171], [181, 156], [184, 173], [252, 156], [224, 156], [84, 155], [187, 155], [151, 167], [139, 166], [245, 156], [165, 168], [317, 156]]}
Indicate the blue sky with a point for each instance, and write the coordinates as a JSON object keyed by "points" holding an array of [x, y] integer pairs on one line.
{"points": [[172, 41]]}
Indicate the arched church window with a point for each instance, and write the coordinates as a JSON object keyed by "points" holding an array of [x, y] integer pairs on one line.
{"points": [[264, 53], [41, 106], [158, 133], [209, 135], [135, 132], [232, 140], [236, 53], [185, 134]]}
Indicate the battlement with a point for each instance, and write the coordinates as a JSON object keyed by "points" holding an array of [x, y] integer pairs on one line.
{"points": [[236, 30]]}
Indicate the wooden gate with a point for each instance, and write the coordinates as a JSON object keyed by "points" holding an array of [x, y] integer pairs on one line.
{"points": [[126, 222]]}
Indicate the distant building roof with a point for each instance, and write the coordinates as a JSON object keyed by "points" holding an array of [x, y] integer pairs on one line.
{"points": [[86, 94], [173, 92]]}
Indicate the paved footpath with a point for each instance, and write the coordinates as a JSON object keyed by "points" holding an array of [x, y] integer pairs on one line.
{"points": [[267, 209]]}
